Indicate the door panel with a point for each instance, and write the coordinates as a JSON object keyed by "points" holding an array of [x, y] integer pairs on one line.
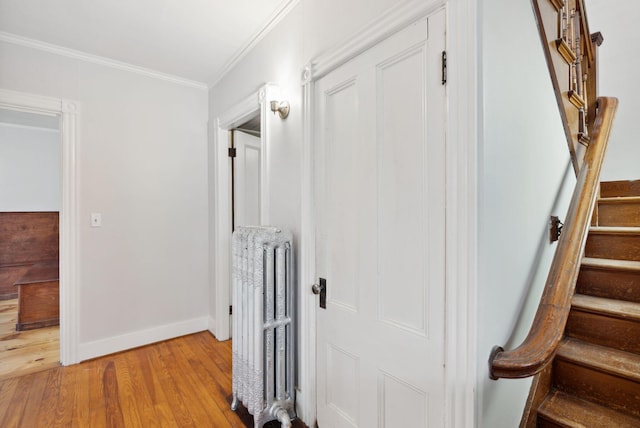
{"points": [[247, 179], [380, 198], [342, 376], [342, 110], [401, 214]]}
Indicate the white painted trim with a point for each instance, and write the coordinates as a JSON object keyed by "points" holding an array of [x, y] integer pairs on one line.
{"points": [[211, 325], [461, 201], [222, 230], [29, 127], [462, 213], [257, 102], [281, 11], [95, 59], [69, 260], [30, 103], [138, 338], [307, 404], [391, 22], [68, 111], [239, 113]]}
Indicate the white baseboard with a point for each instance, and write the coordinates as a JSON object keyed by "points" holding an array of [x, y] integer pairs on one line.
{"points": [[212, 325], [138, 338]]}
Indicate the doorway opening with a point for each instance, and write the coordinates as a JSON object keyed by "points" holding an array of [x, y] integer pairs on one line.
{"points": [[245, 173], [66, 112], [250, 114], [30, 201], [245, 154]]}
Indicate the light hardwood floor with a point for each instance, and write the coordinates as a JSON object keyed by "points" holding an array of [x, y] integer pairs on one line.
{"points": [[184, 382], [24, 352]]}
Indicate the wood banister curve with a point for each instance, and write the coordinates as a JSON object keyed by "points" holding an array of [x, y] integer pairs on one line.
{"points": [[540, 345]]}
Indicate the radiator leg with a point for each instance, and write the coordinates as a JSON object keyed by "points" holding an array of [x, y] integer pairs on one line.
{"points": [[234, 403], [283, 417]]}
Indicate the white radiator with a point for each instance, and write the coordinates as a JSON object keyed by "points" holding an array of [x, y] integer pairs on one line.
{"points": [[263, 335]]}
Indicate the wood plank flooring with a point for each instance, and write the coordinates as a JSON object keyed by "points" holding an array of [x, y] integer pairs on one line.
{"points": [[24, 352], [184, 382]]}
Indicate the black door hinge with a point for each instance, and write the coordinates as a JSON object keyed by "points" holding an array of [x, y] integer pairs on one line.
{"points": [[230, 310], [444, 67], [232, 152]]}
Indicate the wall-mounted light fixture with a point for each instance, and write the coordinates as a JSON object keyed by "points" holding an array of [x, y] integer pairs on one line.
{"points": [[282, 107]]}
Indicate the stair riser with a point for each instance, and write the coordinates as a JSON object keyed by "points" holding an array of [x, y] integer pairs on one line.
{"points": [[616, 189], [603, 388], [603, 330], [619, 214], [611, 284], [545, 423], [613, 246]]}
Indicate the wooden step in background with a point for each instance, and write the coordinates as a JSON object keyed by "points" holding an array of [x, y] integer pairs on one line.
{"points": [[599, 374], [615, 189], [619, 204], [615, 279], [620, 243], [619, 211], [562, 410]]}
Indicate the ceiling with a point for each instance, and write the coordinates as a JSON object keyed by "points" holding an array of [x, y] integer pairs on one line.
{"points": [[195, 40]]}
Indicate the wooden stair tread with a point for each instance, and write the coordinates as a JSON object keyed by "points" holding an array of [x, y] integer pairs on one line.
{"points": [[612, 307], [620, 200], [609, 360], [614, 230], [572, 412], [613, 264]]}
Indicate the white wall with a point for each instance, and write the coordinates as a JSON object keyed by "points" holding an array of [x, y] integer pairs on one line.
{"points": [[29, 168], [141, 158], [524, 178], [618, 77]]}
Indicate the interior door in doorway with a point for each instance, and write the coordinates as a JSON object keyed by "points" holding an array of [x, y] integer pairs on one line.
{"points": [[246, 179], [380, 207]]}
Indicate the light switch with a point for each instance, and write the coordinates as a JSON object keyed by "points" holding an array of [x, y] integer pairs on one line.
{"points": [[96, 219]]}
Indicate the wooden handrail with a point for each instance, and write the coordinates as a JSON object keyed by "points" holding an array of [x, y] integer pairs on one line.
{"points": [[548, 325]]}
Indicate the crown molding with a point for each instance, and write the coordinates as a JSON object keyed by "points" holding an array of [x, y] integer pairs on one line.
{"points": [[393, 20], [95, 59], [277, 16]]}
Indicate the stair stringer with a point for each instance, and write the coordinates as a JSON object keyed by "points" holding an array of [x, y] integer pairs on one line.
{"points": [[540, 389]]}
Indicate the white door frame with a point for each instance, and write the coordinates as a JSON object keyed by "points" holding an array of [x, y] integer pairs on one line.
{"points": [[257, 102], [68, 113], [461, 206]]}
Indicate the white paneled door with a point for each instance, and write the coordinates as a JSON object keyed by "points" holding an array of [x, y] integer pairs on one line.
{"points": [[380, 207], [247, 179]]}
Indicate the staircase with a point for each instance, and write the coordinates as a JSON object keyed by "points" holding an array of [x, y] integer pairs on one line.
{"points": [[583, 348], [594, 379]]}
